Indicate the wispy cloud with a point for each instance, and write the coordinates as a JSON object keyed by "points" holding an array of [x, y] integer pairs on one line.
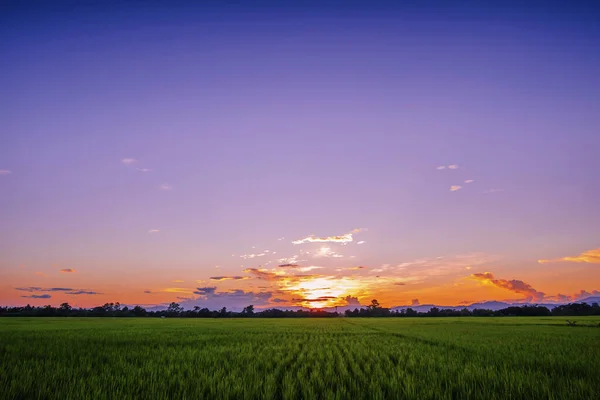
{"points": [[128, 161], [247, 256], [454, 188], [143, 169], [5, 172], [67, 270], [469, 181], [514, 285], [361, 242], [493, 191], [345, 238], [38, 296], [177, 290], [177, 281], [590, 256], [153, 231], [442, 167], [327, 252], [40, 289], [70, 291], [228, 278], [147, 291], [79, 292], [38, 273], [165, 186]]}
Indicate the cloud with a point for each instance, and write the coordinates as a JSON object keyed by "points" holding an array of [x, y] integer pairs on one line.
{"points": [[147, 291], [327, 252], [247, 256], [454, 188], [177, 281], [321, 299], [289, 260], [351, 268], [469, 181], [143, 169], [309, 268], [153, 231], [399, 283], [264, 274], [513, 285], [345, 238], [563, 298], [5, 172], [227, 278], [205, 291], [38, 296], [236, 299], [590, 257], [78, 292], [67, 270], [70, 291], [165, 186], [128, 161], [493, 191], [414, 302], [39, 289], [361, 242], [297, 267], [352, 301], [421, 269], [177, 290], [442, 167], [40, 273]]}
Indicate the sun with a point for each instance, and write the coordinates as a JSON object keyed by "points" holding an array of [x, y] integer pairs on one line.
{"points": [[320, 292]]}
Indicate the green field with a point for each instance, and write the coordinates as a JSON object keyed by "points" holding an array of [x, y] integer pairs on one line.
{"points": [[341, 358]]}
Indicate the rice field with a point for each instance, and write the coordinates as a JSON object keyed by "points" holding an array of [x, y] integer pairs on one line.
{"points": [[340, 358]]}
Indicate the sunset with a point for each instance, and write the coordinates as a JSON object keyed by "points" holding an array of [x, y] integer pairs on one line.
{"points": [[317, 158]]}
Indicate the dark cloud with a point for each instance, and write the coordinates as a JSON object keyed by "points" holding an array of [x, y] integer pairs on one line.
{"points": [[414, 302], [147, 291], [513, 285], [38, 296], [288, 266], [352, 301], [234, 299], [67, 270], [278, 301], [78, 292], [399, 283], [318, 299], [205, 291], [39, 289]]}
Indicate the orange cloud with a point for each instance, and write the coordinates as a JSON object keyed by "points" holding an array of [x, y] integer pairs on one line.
{"points": [[228, 278], [514, 285], [67, 270], [590, 256]]}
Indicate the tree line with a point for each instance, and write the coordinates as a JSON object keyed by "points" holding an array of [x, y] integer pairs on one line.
{"points": [[372, 310]]}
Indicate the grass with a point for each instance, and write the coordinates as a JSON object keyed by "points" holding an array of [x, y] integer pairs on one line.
{"points": [[342, 358]]}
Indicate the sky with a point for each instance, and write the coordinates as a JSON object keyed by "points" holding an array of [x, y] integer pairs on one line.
{"points": [[283, 154]]}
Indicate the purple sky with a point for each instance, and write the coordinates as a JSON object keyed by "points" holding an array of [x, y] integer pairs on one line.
{"points": [[272, 122]]}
